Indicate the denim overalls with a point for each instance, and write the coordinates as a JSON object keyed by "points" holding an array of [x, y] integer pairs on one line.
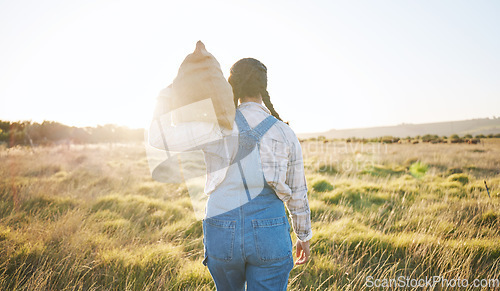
{"points": [[246, 231]]}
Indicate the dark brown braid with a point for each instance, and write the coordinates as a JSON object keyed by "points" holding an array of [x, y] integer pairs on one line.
{"points": [[248, 78], [269, 105]]}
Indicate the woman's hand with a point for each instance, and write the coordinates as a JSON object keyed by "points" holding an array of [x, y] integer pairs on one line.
{"points": [[302, 253]]}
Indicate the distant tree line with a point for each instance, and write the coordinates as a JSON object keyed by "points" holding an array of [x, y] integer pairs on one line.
{"points": [[50, 132], [428, 138]]}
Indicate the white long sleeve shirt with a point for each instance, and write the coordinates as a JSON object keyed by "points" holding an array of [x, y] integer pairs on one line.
{"points": [[280, 152]]}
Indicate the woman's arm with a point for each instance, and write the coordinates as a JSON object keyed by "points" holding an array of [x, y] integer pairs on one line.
{"points": [[184, 136], [298, 204]]}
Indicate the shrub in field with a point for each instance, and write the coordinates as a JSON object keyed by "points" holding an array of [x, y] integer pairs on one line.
{"points": [[48, 206], [327, 169], [4, 233], [146, 212], [43, 170], [418, 169], [489, 217], [357, 197], [429, 138], [322, 186], [455, 138], [382, 171], [462, 178], [454, 171], [410, 161]]}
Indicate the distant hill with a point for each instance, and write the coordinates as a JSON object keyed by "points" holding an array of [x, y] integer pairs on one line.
{"points": [[462, 127]]}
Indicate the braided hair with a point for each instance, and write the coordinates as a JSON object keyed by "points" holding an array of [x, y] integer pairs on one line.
{"points": [[248, 77]]}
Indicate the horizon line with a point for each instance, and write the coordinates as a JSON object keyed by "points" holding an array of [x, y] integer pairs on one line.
{"points": [[314, 132]]}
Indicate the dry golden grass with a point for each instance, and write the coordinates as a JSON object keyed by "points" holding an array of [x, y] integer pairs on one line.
{"points": [[91, 218]]}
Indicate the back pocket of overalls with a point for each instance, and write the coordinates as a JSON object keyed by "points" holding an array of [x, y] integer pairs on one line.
{"points": [[272, 239], [219, 238]]}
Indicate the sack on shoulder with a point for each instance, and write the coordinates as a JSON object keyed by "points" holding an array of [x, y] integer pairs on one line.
{"points": [[200, 78]]}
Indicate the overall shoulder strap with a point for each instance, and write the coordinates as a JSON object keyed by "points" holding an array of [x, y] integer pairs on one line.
{"points": [[264, 126], [241, 121]]}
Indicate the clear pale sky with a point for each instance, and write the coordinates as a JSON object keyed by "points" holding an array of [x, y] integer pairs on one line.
{"points": [[331, 64]]}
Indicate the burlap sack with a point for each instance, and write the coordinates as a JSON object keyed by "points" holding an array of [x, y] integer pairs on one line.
{"points": [[200, 77]]}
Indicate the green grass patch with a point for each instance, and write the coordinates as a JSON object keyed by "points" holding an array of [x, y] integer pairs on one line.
{"points": [[418, 169], [358, 197], [461, 178], [322, 186], [48, 207], [382, 171], [144, 211], [329, 169]]}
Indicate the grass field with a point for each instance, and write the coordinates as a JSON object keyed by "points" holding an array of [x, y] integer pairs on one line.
{"points": [[89, 217]]}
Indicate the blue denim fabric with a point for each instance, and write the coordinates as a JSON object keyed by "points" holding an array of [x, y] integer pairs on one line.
{"points": [[246, 231]]}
